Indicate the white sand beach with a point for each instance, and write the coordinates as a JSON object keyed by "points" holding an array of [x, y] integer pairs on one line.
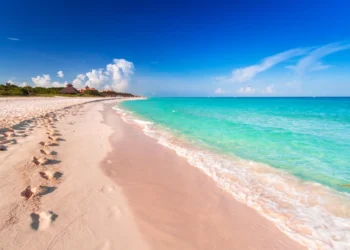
{"points": [[96, 182]]}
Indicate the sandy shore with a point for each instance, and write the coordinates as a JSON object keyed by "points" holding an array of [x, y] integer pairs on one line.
{"points": [[75, 206], [16, 109], [175, 205], [143, 196]]}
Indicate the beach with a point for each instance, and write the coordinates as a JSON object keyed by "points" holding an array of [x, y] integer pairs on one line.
{"points": [[286, 158], [16, 109], [100, 183]]}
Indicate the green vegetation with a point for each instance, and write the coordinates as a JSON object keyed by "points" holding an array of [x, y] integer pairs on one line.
{"points": [[13, 90], [91, 92], [114, 94]]}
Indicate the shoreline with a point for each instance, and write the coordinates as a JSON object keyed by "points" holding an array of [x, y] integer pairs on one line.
{"points": [[249, 183], [180, 207], [113, 187]]}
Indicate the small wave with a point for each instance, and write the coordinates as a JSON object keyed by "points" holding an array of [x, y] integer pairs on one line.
{"points": [[314, 215], [141, 122]]}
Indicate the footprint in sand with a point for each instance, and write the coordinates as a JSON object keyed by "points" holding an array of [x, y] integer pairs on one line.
{"points": [[51, 126], [9, 134], [53, 133], [21, 133], [44, 143], [10, 141], [49, 175], [52, 144], [43, 220], [29, 192], [55, 138], [39, 160], [46, 151]]}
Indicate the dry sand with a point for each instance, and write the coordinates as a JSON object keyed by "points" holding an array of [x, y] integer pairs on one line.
{"points": [[80, 207], [16, 109], [143, 197]]}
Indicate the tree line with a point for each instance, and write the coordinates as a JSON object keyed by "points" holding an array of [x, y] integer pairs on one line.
{"points": [[8, 89]]}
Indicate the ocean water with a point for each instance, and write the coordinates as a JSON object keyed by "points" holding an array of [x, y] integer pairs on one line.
{"points": [[288, 158]]}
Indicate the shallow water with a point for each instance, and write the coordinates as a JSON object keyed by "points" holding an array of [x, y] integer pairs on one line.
{"points": [[286, 157]]}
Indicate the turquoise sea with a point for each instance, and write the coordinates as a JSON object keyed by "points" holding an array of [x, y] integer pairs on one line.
{"points": [[288, 158]]}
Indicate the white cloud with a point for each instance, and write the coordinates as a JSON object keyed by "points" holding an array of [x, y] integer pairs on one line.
{"points": [[60, 74], [320, 66], [219, 91], [45, 81], [248, 73], [309, 59], [42, 81], [23, 84], [59, 84], [247, 90], [13, 39], [96, 78], [121, 71], [312, 62], [115, 76], [107, 87], [78, 82], [81, 76]]}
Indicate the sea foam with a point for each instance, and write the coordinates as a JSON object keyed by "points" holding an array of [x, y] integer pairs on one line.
{"points": [[312, 214]]}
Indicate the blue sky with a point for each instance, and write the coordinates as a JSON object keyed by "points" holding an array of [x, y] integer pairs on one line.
{"points": [[179, 48]]}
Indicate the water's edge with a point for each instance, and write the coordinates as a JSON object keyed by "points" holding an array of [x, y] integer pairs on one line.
{"points": [[316, 216]]}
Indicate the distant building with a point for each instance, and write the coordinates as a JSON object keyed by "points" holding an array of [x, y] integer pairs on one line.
{"points": [[69, 90]]}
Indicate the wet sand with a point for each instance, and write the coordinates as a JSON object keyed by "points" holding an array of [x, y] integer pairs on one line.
{"points": [[175, 205]]}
